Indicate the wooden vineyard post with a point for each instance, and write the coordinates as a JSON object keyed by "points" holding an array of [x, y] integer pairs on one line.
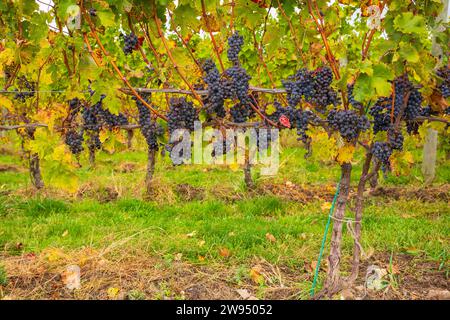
{"points": [[429, 155], [430, 146]]}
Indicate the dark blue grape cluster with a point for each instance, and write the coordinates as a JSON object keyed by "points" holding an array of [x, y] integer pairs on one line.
{"points": [[407, 98], [348, 123], [426, 111], [238, 84], [280, 111], [381, 113], [395, 138], [313, 87], [414, 103], [382, 151], [444, 87], [75, 141], [130, 43], [239, 113], [407, 105], [90, 120], [94, 142], [92, 12], [112, 120], [235, 42], [235, 86], [29, 87], [181, 115], [92, 124], [150, 129], [215, 99], [298, 119], [412, 127], [74, 107], [105, 117], [232, 84], [301, 123]]}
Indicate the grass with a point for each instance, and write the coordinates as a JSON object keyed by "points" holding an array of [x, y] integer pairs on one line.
{"points": [[200, 229], [240, 227]]}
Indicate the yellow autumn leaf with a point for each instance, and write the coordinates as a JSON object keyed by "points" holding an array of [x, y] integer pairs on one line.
{"points": [[103, 136], [45, 78], [234, 167], [408, 157], [7, 56], [113, 292], [5, 102], [345, 153], [326, 206], [54, 254], [255, 275], [60, 154]]}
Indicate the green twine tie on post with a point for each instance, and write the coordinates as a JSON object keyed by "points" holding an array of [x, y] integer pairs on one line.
{"points": [[324, 239]]}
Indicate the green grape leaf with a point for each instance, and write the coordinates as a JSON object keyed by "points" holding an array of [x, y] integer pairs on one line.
{"points": [[407, 22], [408, 52]]}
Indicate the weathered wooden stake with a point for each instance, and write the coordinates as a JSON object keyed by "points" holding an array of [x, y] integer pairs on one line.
{"points": [[429, 156]]}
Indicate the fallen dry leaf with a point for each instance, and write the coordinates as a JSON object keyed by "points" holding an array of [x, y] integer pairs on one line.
{"points": [[178, 256], [255, 275], [270, 237], [71, 277], [192, 234], [113, 292], [224, 252], [244, 293], [326, 206]]}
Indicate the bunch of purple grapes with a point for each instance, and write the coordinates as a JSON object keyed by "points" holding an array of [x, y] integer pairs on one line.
{"points": [[235, 42], [381, 113], [130, 43], [75, 141], [105, 117], [215, 98], [407, 105], [382, 151], [444, 87], [408, 99], [313, 87], [74, 107], [395, 138], [150, 129], [348, 123], [181, 115], [23, 83]]}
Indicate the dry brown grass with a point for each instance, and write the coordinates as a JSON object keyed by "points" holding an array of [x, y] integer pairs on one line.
{"points": [[42, 277]]}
